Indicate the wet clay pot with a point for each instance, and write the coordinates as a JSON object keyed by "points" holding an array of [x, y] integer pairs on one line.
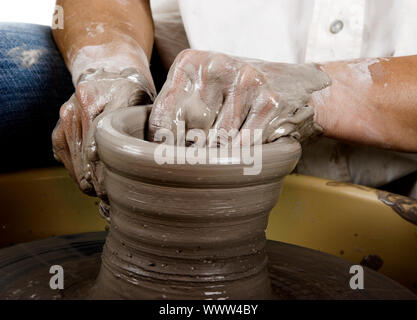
{"points": [[184, 231]]}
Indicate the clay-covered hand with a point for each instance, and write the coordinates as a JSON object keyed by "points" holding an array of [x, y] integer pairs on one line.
{"points": [[97, 92], [209, 90]]}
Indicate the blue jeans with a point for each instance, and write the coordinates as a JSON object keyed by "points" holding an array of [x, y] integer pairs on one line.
{"points": [[34, 83]]}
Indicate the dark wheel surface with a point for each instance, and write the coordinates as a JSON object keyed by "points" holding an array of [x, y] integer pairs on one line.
{"points": [[296, 272]]}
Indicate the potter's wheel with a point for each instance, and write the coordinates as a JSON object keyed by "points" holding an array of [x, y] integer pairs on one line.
{"points": [[296, 273]]}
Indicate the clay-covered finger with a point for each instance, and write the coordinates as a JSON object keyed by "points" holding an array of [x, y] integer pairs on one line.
{"points": [[169, 105], [72, 127], [298, 124], [90, 100], [235, 107], [166, 112], [60, 148], [265, 108]]}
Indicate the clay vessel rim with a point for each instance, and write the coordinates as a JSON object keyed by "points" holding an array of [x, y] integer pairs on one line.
{"points": [[115, 130]]}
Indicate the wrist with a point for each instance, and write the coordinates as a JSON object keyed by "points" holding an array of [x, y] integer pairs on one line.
{"points": [[319, 100], [112, 57], [131, 77]]}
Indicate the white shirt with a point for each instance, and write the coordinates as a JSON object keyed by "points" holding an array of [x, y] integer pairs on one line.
{"points": [[297, 31]]}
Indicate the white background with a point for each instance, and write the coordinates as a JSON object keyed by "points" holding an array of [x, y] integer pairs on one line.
{"points": [[30, 11]]}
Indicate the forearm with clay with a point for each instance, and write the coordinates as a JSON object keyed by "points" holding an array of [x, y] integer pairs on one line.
{"points": [[370, 101], [105, 34]]}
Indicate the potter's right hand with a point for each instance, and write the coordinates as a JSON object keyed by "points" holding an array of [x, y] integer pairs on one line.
{"points": [[97, 91], [222, 94]]}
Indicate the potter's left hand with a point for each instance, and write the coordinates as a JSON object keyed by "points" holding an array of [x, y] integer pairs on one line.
{"points": [[213, 90], [98, 92]]}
